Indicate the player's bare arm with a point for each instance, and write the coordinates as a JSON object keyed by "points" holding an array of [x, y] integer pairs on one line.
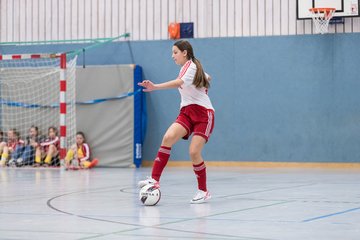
{"points": [[150, 86]]}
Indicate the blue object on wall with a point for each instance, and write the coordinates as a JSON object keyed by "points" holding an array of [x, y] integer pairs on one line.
{"points": [[187, 30], [139, 117]]}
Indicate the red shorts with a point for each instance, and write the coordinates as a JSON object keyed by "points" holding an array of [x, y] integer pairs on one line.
{"points": [[196, 119]]}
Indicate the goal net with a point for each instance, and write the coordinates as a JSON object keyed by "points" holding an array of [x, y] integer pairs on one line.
{"points": [[38, 90]]}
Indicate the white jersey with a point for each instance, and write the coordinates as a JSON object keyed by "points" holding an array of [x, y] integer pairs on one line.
{"points": [[189, 93]]}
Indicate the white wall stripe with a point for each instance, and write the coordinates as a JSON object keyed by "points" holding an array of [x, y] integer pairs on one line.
{"points": [[261, 17], [33, 20], [210, 123]]}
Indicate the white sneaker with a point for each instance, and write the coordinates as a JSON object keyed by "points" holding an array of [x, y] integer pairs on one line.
{"points": [[12, 162], [147, 181], [19, 162], [201, 197]]}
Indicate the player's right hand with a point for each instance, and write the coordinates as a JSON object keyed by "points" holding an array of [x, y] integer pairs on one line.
{"points": [[148, 85]]}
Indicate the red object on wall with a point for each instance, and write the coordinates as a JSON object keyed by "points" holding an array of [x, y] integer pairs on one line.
{"points": [[174, 30]]}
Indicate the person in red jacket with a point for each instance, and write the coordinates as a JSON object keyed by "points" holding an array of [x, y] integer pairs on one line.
{"points": [[9, 147], [48, 152]]}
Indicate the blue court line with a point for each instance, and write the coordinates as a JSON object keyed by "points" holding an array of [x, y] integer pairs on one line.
{"points": [[330, 215]]}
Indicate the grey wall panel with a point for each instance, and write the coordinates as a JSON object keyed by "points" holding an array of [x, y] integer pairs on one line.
{"points": [[109, 126]]}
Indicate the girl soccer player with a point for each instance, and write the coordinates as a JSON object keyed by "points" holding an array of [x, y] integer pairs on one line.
{"points": [[48, 150], [196, 116], [9, 147], [80, 152], [26, 155]]}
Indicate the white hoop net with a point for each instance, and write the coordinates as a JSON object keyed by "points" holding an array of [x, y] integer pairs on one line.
{"points": [[321, 18]]}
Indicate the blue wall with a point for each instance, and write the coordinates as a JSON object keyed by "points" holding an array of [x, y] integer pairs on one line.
{"points": [[277, 99], [293, 98]]}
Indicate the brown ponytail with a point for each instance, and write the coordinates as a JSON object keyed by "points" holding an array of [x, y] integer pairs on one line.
{"points": [[200, 79]]}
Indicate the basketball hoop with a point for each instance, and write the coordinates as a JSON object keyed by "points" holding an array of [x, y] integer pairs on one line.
{"points": [[321, 18]]}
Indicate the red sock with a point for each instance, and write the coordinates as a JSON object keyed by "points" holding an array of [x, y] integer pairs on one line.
{"points": [[200, 172], [160, 162]]}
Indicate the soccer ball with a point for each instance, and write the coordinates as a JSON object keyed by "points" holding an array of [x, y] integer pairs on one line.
{"points": [[149, 195]]}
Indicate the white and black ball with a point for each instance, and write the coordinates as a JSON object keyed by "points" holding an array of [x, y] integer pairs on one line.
{"points": [[149, 195]]}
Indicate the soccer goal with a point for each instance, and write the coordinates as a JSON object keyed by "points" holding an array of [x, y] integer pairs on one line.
{"points": [[38, 90]]}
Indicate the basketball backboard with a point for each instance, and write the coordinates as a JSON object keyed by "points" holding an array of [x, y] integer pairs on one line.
{"points": [[344, 8]]}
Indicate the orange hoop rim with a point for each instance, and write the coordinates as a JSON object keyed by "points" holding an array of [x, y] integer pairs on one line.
{"points": [[322, 10]]}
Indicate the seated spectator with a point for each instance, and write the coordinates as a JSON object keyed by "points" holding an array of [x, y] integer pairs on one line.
{"points": [[48, 152], [9, 148], [26, 154], [80, 152]]}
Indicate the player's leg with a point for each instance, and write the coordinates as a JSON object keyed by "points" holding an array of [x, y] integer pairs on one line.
{"points": [[71, 154], [199, 167], [52, 152], [4, 155], [2, 145], [89, 164], [27, 157], [204, 120], [55, 156], [2, 160], [93, 163], [16, 154], [174, 133], [38, 157]]}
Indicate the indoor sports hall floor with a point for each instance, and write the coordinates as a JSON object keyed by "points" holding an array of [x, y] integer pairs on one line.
{"points": [[247, 204]]}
